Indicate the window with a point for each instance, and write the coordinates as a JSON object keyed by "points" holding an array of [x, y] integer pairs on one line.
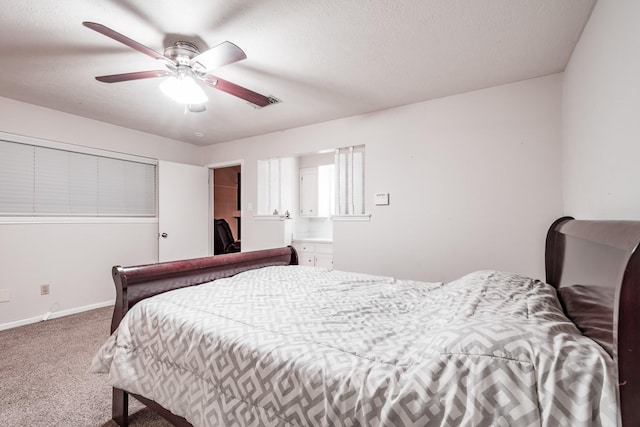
{"points": [[275, 181], [349, 165], [43, 181]]}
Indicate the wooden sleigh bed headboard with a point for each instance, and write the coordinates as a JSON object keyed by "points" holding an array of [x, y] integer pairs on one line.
{"points": [[595, 266]]}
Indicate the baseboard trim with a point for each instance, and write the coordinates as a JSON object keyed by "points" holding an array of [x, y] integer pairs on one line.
{"points": [[54, 315]]}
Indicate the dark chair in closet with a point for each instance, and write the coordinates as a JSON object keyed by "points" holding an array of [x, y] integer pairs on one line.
{"points": [[223, 242]]}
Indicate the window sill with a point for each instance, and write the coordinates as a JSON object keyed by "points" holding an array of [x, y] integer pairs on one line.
{"points": [[359, 217], [76, 220], [269, 217]]}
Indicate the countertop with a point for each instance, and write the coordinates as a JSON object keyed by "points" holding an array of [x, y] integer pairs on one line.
{"points": [[312, 239]]}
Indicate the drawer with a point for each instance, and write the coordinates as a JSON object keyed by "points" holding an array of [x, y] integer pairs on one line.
{"points": [[305, 247], [324, 260], [307, 259], [324, 248]]}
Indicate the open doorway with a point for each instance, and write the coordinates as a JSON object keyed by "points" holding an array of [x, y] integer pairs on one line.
{"points": [[227, 213]]}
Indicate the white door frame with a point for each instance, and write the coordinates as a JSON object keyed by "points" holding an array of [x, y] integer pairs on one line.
{"points": [[211, 167]]}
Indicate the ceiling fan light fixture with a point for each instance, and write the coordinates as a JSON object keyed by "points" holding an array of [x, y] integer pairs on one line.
{"points": [[184, 90], [184, 62]]}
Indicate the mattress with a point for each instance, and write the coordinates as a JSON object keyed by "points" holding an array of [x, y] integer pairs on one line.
{"points": [[306, 346]]}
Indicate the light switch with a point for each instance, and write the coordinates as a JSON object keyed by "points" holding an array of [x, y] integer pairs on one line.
{"points": [[382, 199]]}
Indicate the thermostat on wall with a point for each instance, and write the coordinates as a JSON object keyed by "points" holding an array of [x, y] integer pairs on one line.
{"points": [[382, 199]]}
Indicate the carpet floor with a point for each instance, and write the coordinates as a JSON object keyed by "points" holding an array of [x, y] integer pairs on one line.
{"points": [[44, 378]]}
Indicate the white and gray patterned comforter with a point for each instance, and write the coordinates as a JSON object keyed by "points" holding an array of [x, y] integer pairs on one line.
{"points": [[304, 346]]}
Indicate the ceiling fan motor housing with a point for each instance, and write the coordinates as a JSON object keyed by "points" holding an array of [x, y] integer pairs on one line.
{"points": [[181, 52]]}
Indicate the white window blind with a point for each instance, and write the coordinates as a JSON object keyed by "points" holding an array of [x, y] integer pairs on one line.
{"points": [[268, 186], [275, 185], [42, 181], [349, 170]]}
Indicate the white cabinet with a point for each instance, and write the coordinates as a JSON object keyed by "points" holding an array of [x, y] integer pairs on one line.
{"points": [[324, 255], [317, 192], [314, 254], [309, 192]]}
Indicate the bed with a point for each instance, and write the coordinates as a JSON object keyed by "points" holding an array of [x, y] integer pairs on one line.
{"points": [[254, 339]]}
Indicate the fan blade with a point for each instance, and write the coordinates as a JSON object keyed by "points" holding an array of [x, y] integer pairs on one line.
{"points": [[219, 55], [115, 78], [127, 41], [239, 91]]}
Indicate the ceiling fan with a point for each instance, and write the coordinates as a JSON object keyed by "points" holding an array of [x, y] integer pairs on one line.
{"points": [[184, 65]]}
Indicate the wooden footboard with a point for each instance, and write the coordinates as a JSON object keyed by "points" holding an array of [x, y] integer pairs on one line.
{"points": [[133, 284]]}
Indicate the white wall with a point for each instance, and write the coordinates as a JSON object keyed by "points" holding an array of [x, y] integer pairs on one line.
{"points": [[601, 148], [473, 181], [29, 120], [75, 259]]}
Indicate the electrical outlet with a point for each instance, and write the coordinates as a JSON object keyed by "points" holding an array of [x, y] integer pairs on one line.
{"points": [[44, 289], [5, 296]]}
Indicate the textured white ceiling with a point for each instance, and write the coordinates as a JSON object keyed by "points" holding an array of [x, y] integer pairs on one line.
{"points": [[324, 59]]}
